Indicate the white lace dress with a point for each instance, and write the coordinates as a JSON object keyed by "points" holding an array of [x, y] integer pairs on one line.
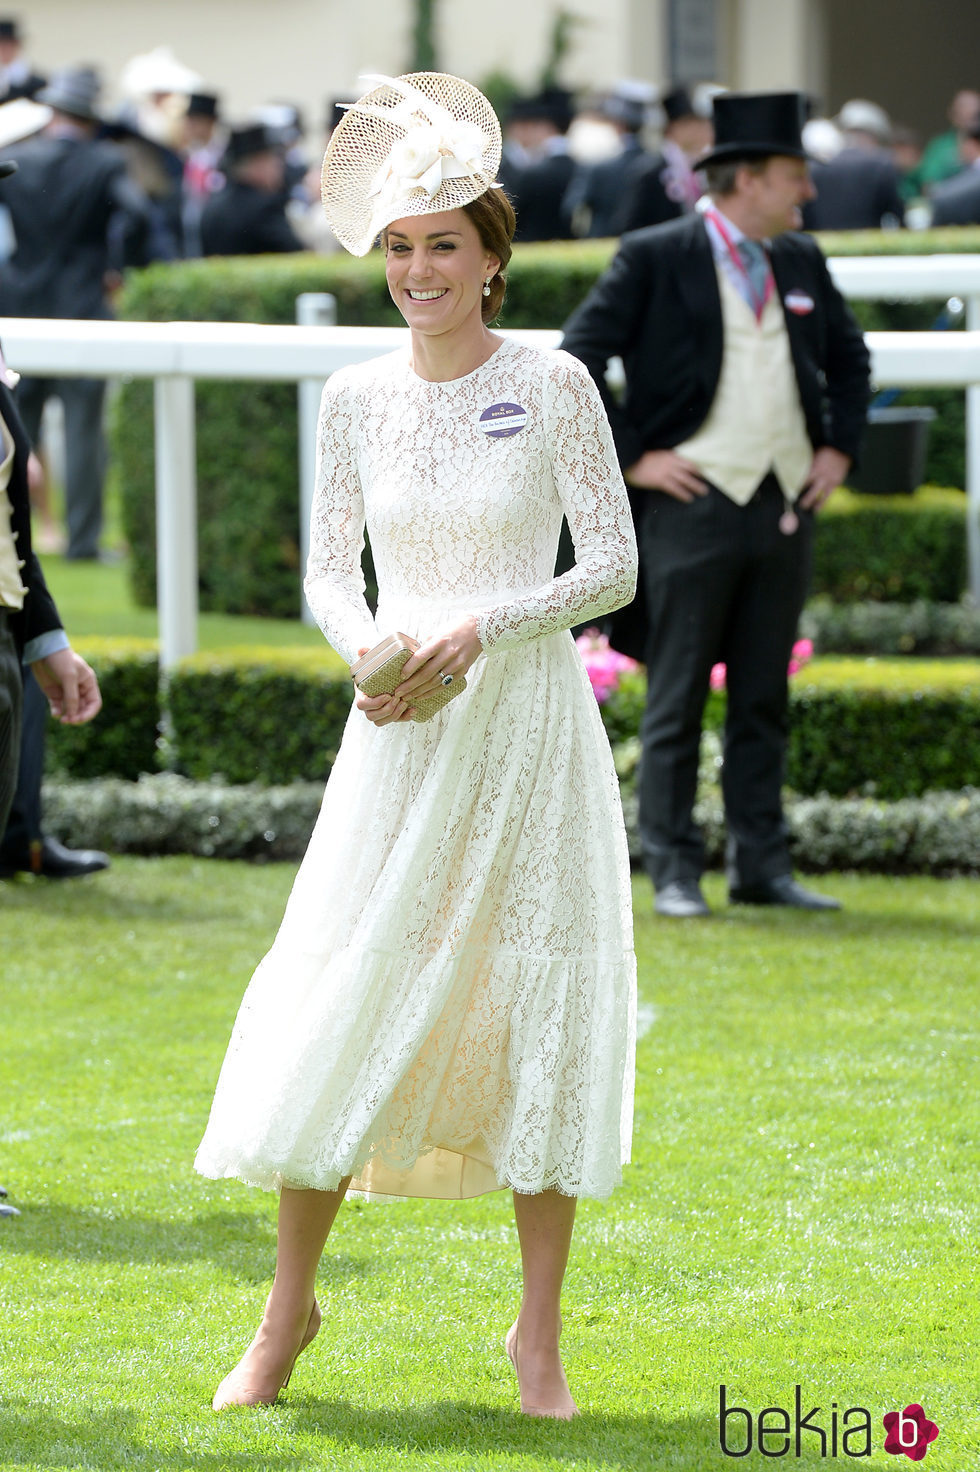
{"points": [[449, 1005]]}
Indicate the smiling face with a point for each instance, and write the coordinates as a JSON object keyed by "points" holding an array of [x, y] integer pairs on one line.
{"points": [[435, 267]]}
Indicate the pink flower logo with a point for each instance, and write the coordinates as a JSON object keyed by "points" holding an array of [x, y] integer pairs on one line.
{"points": [[604, 665], [910, 1432]]}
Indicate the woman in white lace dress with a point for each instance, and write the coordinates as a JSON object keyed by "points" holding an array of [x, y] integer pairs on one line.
{"points": [[449, 1005]]}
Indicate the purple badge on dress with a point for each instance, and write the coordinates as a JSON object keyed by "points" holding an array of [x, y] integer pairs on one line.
{"points": [[502, 420]]}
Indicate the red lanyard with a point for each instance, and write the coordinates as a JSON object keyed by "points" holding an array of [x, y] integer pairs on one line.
{"points": [[758, 306]]}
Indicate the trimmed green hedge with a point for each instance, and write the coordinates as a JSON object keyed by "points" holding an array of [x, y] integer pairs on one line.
{"points": [[275, 716], [896, 727], [123, 739], [935, 834], [922, 627], [891, 548], [246, 433]]}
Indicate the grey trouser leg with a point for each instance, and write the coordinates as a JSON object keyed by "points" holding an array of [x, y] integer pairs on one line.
{"points": [[85, 450]]}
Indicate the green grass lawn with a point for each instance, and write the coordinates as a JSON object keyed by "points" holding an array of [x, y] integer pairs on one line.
{"points": [[802, 1208], [94, 599]]}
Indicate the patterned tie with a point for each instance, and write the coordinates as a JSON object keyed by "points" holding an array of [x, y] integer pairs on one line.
{"points": [[756, 263]]}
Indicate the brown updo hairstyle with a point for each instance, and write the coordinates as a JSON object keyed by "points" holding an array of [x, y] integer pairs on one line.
{"points": [[495, 221]]}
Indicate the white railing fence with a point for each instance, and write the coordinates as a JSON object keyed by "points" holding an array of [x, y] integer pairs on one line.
{"points": [[174, 354]]}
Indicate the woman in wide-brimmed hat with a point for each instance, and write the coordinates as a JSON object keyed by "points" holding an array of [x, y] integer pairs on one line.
{"points": [[449, 1005]]}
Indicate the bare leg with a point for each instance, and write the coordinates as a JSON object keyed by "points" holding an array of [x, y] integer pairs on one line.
{"points": [[544, 1227], [292, 1316]]}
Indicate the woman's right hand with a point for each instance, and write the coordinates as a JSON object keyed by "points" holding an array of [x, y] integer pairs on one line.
{"points": [[381, 710]]}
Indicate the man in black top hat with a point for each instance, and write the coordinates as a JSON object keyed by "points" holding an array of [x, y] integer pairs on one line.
{"points": [[248, 216], [746, 390], [202, 144], [538, 174], [667, 187]]}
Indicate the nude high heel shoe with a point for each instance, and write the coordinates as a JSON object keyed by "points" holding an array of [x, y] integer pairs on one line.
{"points": [[236, 1389], [563, 1409]]}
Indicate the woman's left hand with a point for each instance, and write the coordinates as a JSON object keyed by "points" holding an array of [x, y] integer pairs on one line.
{"points": [[451, 653]]}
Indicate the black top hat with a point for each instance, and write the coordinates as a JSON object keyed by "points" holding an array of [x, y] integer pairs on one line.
{"points": [[7, 167], [553, 105], [757, 125], [202, 105], [246, 142], [74, 91], [9, 30], [678, 103]]}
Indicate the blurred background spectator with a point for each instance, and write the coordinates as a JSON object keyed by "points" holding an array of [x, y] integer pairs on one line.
{"points": [[74, 214], [667, 186], [304, 210], [857, 189], [599, 194], [941, 156], [537, 167], [202, 143], [17, 77], [248, 215], [956, 201]]}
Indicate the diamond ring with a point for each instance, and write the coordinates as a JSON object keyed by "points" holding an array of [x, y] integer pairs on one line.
{"points": [[447, 679]]}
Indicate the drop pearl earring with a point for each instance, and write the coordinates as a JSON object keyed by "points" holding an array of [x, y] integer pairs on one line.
{"points": [[486, 286]]}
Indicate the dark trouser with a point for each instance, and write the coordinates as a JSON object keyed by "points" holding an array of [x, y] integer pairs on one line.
{"points": [[10, 716], [23, 826], [723, 583], [83, 400]]}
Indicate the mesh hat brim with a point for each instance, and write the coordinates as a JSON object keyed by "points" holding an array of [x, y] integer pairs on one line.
{"points": [[368, 179]]}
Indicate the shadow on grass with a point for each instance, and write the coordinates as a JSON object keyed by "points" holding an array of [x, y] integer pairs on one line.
{"points": [[237, 1242], [643, 1441], [328, 1431]]}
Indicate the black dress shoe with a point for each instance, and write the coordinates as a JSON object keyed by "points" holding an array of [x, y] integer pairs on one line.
{"points": [[6, 1210], [681, 900], [53, 860], [783, 890]]}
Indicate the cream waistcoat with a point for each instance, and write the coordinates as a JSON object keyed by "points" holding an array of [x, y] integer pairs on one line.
{"points": [[756, 421], [12, 588]]}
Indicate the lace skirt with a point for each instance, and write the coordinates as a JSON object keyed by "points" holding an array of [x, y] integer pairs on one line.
{"points": [[449, 1005]]}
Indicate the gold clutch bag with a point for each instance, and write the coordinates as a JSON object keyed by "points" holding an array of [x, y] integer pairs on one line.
{"points": [[379, 672]]}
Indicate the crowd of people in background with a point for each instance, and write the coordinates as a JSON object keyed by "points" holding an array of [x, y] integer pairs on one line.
{"points": [[202, 183]]}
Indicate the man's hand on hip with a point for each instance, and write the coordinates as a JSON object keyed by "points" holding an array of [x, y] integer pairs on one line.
{"points": [[826, 473], [664, 470]]}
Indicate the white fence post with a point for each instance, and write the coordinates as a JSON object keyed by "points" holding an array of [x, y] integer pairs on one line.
{"points": [[313, 309], [176, 500], [973, 466]]}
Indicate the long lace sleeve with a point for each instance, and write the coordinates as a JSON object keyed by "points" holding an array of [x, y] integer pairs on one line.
{"points": [[590, 486], [334, 581]]}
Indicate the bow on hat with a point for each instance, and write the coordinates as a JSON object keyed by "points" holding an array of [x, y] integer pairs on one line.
{"points": [[430, 153]]}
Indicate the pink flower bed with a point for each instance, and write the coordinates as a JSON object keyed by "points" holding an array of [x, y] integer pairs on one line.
{"points": [[801, 655], [603, 665]]}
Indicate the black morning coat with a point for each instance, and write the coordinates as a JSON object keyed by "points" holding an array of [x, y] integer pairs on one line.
{"points": [[658, 307], [39, 615]]}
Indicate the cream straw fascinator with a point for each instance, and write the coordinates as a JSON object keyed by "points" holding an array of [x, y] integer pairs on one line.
{"points": [[412, 145]]}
